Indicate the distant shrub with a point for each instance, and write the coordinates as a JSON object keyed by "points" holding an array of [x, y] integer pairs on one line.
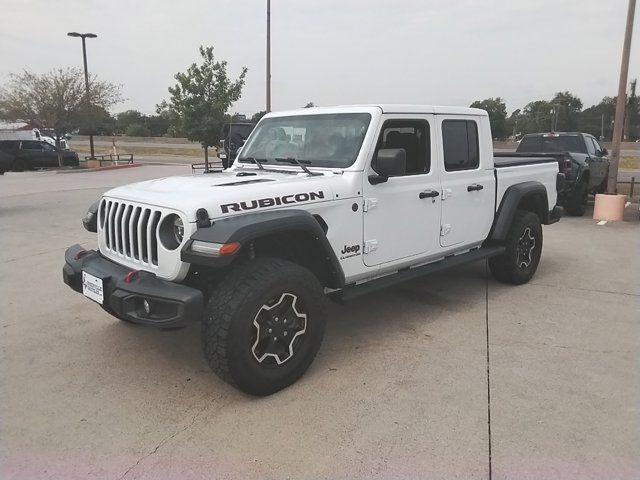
{"points": [[137, 130]]}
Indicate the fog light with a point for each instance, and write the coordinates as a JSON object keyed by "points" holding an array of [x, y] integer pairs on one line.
{"points": [[147, 306]]}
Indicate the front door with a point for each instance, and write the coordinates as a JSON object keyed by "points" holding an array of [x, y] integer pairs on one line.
{"points": [[402, 215], [468, 182]]}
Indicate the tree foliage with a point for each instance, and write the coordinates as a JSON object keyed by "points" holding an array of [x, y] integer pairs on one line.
{"points": [[56, 99], [201, 97], [566, 108], [258, 115], [497, 110]]}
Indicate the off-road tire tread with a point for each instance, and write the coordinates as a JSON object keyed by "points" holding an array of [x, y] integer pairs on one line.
{"points": [[226, 299], [502, 267]]}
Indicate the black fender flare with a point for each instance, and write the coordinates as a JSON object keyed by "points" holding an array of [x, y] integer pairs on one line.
{"points": [[245, 228], [509, 205]]}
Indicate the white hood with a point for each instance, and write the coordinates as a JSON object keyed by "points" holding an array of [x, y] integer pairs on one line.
{"points": [[227, 193]]}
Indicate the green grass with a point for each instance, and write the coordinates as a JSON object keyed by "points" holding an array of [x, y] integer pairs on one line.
{"points": [[630, 163]]}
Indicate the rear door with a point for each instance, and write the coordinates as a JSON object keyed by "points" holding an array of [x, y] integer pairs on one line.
{"points": [[32, 153], [468, 182], [402, 214]]}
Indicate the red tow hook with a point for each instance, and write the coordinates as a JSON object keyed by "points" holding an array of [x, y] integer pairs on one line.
{"points": [[79, 254], [130, 276]]}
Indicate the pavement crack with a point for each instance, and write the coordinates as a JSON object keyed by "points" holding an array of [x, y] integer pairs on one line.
{"points": [[593, 290], [163, 442], [486, 316]]}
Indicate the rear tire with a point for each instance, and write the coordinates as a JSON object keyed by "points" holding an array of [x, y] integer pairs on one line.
{"points": [[577, 201], [263, 325], [523, 244]]}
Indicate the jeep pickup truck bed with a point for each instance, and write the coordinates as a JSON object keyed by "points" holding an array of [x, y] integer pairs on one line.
{"points": [[323, 202]]}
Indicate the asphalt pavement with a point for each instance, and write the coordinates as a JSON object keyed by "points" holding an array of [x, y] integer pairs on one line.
{"points": [[450, 376]]}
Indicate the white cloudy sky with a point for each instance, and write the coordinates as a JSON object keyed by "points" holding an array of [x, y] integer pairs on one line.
{"points": [[334, 51]]}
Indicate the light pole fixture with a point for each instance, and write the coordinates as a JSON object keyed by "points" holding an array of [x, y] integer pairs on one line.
{"points": [[84, 36], [268, 56]]}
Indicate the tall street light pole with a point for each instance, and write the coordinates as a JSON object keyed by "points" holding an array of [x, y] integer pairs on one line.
{"points": [[84, 36], [268, 56], [621, 102]]}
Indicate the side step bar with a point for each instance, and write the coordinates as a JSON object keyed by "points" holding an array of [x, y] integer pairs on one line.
{"points": [[349, 292]]}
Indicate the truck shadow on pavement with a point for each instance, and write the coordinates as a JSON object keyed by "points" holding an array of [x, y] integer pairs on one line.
{"points": [[379, 321]]}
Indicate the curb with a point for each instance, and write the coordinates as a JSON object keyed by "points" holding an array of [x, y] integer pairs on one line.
{"points": [[101, 169]]}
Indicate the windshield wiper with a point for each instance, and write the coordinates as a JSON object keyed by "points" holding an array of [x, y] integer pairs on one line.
{"points": [[300, 163], [254, 160]]}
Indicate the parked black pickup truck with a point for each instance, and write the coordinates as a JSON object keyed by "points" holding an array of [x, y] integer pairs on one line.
{"points": [[32, 154], [582, 159]]}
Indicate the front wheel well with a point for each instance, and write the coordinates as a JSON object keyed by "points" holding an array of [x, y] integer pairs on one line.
{"points": [[298, 246]]}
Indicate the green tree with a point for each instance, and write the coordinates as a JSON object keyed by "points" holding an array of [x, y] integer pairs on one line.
{"points": [[56, 99], [597, 119], [137, 130], [566, 108], [128, 117], [258, 115], [537, 116], [201, 98], [497, 110], [632, 114], [514, 123], [100, 122]]}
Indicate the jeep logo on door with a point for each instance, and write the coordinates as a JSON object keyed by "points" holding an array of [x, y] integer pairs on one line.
{"points": [[271, 202], [349, 251]]}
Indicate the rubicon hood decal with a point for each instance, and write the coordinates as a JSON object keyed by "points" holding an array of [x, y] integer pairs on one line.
{"points": [[271, 201]]}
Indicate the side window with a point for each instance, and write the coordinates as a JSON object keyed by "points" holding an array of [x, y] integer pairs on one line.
{"points": [[31, 145], [460, 145], [414, 137], [591, 148], [47, 147]]}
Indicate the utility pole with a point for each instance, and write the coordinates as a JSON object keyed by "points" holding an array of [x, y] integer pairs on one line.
{"points": [[602, 127], [84, 36], [268, 56], [618, 125]]}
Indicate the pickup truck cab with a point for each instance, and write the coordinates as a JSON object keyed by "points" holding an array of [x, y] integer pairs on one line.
{"points": [[582, 159], [323, 202]]}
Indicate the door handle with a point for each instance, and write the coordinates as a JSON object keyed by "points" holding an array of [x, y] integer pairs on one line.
{"points": [[428, 194], [474, 187]]}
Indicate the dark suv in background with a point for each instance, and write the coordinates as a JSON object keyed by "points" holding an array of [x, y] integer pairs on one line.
{"points": [[581, 158], [232, 137], [32, 154]]}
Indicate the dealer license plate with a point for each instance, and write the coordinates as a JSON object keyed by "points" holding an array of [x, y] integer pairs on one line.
{"points": [[92, 287]]}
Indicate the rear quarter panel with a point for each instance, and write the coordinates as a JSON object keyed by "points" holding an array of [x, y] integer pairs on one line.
{"points": [[544, 173]]}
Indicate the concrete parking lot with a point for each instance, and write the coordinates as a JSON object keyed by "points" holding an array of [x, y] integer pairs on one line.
{"points": [[451, 376]]}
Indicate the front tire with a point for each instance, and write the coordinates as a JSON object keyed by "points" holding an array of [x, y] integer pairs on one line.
{"points": [[523, 244], [263, 325]]}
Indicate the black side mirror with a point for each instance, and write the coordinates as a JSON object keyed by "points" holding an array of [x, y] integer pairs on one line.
{"points": [[604, 152], [389, 162]]}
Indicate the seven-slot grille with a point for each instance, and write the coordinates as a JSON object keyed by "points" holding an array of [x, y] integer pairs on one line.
{"points": [[130, 230]]}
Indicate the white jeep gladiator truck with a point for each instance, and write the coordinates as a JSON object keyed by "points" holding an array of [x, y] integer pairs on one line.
{"points": [[322, 202]]}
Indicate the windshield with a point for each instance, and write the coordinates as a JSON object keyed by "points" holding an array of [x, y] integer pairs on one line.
{"points": [[331, 140], [548, 144]]}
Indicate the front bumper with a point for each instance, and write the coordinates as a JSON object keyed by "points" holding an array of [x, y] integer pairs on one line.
{"points": [[171, 304]]}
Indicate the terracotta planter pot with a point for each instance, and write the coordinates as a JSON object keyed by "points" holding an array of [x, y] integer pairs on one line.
{"points": [[609, 207]]}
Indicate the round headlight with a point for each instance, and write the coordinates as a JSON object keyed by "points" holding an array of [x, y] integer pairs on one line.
{"points": [[171, 231], [178, 229]]}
